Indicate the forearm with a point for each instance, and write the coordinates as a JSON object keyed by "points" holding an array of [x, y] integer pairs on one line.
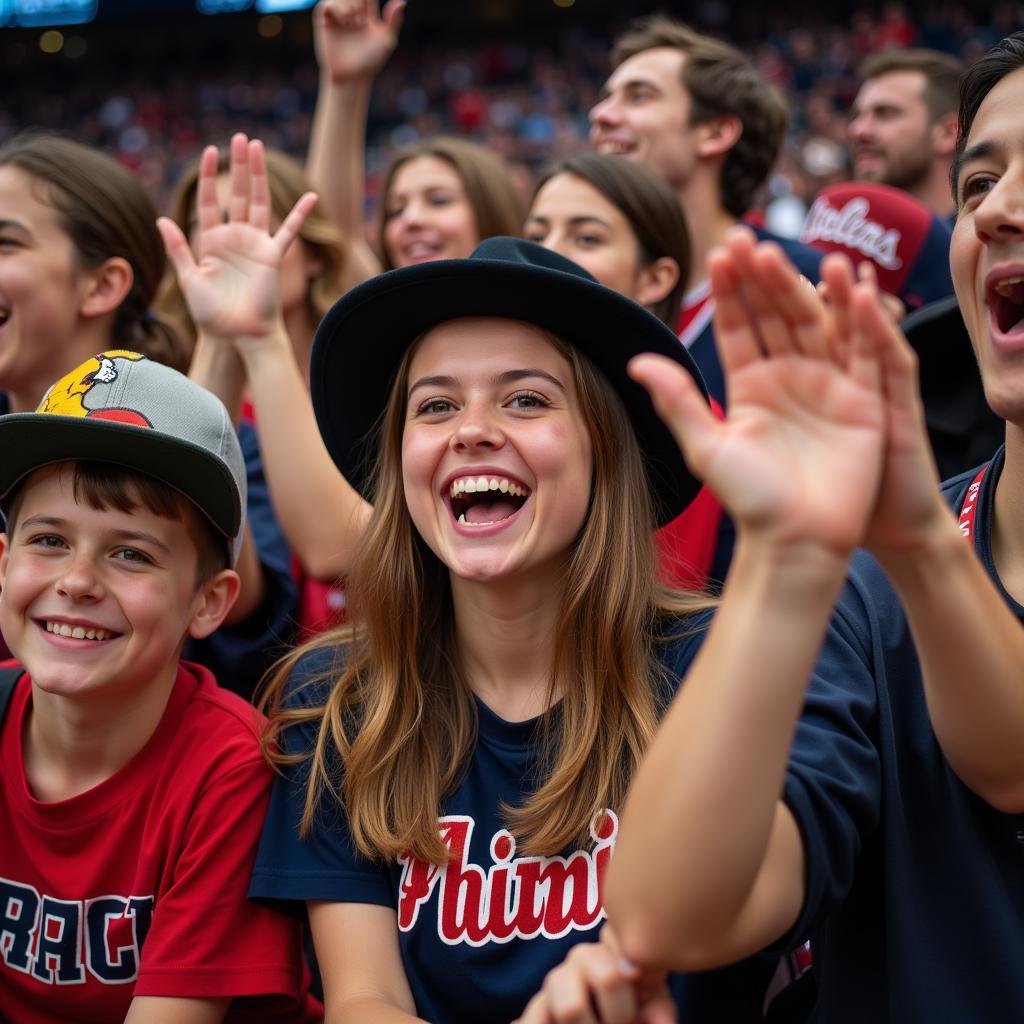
{"points": [[708, 865], [175, 1010], [321, 514], [335, 166], [217, 367], [368, 1010], [971, 649]]}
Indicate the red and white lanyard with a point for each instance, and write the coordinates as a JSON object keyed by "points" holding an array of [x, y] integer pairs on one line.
{"points": [[969, 511]]}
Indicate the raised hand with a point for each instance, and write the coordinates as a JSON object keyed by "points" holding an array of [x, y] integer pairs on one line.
{"points": [[798, 457], [352, 40], [909, 508], [230, 282]]}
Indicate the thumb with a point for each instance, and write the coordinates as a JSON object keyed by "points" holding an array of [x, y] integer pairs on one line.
{"points": [[392, 16], [176, 244], [680, 404]]}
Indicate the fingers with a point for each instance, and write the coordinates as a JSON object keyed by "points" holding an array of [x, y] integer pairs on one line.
{"points": [[762, 305], [680, 404], [238, 198], [588, 988], [178, 250], [207, 207], [736, 338], [837, 278], [259, 186], [896, 359], [292, 224], [392, 15]]}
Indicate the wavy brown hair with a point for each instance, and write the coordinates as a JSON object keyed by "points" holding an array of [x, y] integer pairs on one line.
{"points": [[400, 723], [288, 183], [498, 208]]}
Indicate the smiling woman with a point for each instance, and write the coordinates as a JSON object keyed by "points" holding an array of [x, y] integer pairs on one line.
{"points": [[509, 651], [80, 263]]}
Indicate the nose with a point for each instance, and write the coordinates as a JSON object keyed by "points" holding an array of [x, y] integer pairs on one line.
{"points": [[411, 214], [1000, 214], [859, 127], [605, 113], [79, 581], [477, 429]]}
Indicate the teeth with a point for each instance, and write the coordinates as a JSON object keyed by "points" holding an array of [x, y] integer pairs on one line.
{"points": [[476, 485], [76, 632], [1007, 285], [462, 518]]}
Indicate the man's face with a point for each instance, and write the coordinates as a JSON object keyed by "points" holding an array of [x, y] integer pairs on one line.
{"points": [[891, 131], [644, 115], [987, 251]]}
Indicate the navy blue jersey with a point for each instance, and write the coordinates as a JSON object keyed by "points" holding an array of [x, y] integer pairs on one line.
{"points": [[478, 936], [915, 885]]}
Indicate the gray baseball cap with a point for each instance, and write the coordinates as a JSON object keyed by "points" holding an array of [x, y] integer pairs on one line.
{"points": [[122, 408]]}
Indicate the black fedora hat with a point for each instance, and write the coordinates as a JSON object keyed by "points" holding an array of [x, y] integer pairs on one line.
{"points": [[361, 341]]}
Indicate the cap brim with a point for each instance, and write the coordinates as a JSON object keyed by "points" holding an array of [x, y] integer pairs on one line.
{"points": [[33, 440], [362, 339]]}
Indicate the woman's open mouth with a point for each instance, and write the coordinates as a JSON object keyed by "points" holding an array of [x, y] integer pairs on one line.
{"points": [[485, 500]]}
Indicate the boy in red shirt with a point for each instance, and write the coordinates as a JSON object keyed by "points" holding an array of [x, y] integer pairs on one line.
{"points": [[133, 787]]}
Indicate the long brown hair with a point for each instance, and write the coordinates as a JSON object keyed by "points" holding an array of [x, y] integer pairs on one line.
{"points": [[288, 182], [106, 213], [650, 206], [400, 723], [497, 206]]}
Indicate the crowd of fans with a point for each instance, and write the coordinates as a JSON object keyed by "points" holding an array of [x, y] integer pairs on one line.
{"points": [[525, 97]]}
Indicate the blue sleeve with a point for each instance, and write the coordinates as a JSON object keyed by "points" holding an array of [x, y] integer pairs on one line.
{"points": [[239, 655], [325, 865], [834, 779]]}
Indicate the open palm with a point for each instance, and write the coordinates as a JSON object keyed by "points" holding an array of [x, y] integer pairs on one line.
{"points": [[230, 283], [798, 455]]}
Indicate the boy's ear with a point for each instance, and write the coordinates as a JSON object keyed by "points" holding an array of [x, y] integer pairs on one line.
{"points": [[213, 601], [717, 136], [106, 287]]}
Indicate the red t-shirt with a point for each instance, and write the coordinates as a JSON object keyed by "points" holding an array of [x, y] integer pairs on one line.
{"points": [[138, 886]]}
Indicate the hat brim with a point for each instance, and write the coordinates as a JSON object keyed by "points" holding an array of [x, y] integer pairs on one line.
{"points": [[362, 339], [33, 440]]}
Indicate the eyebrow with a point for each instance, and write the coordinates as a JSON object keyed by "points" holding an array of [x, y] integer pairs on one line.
{"points": [[979, 151], [573, 221], [7, 224], [123, 536], [508, 377]]}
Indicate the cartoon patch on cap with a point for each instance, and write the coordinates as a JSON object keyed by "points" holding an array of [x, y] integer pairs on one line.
{"points": [[84, 391]]}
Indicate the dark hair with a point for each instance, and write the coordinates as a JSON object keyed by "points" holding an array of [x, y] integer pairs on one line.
{"points": [[496, 202], [105, 212], [979, 80], [941, 75], [720, 80], [104, 485], [650, 206]]}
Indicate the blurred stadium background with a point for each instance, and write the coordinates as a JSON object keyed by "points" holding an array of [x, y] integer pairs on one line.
{"points": [[151, 81]]}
